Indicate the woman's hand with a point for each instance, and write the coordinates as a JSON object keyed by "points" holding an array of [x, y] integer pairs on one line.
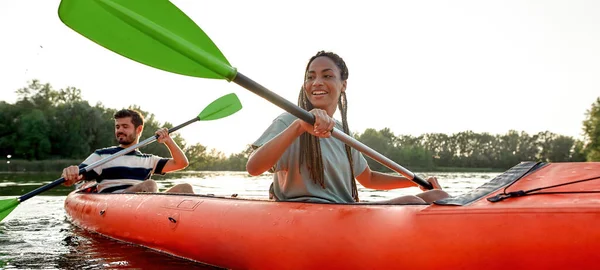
{"points": [[323, 126], [433, 181]]}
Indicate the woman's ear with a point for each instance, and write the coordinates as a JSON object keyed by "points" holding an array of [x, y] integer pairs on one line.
{"points": [[344, 85]]}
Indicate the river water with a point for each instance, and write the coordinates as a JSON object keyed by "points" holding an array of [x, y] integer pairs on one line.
{"points": [[38, 234]]}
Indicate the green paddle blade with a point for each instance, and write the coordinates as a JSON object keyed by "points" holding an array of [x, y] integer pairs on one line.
{"points": [[152, 32], [7, 206], [222, 107]]}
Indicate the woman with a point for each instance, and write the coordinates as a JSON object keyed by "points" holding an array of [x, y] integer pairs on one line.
{"points": [[310, 165]]}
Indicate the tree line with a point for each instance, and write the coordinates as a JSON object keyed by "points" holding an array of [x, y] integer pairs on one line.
{"points": [[49, 124]]}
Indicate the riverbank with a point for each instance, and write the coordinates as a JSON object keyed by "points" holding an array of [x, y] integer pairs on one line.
{"points": [[57, 165]]}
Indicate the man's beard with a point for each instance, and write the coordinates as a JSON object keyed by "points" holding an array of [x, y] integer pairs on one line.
{"points": [[128, 139]]}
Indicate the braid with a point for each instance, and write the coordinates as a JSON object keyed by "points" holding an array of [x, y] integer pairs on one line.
{"points": [[343, 105], [310, 147]]}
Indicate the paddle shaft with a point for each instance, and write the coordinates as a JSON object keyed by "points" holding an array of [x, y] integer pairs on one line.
{"points": [[144, 21], [102, 161], [265, 93]]}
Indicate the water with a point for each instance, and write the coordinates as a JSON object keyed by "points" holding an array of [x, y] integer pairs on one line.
{"points": [[38, 235]]}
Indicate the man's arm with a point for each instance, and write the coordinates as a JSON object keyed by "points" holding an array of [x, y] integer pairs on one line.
{"points": [[178, 159]]}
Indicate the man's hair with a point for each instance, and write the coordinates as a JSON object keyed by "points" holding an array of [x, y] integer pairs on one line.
{"points": [[136, 117]]}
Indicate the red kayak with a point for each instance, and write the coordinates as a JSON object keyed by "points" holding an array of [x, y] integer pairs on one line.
{"points": [[533, 216]]}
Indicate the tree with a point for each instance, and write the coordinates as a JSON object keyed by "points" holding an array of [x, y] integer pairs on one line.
{"points": [[237, 162], [578, 154], [591, 129], [197, 156], [442, 147], [47, 123], [75, 129], [381, 141], [8, 118], [483, 151], [33, 143], [38, 96], [508, 147], [562, 149]]}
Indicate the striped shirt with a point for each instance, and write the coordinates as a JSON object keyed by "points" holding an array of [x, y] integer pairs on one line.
{"points": [[124, 171]]}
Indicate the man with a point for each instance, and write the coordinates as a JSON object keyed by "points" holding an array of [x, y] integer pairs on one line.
{"points": [[132, 171]]}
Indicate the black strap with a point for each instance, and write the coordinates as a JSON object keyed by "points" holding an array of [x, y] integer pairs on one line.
{"points": [[520, 193]]}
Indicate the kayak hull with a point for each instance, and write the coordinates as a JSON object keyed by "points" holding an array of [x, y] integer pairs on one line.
{"points": [[544, 232]]}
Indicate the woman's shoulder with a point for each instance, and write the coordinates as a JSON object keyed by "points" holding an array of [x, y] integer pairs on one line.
{"points": [[286, 118]]}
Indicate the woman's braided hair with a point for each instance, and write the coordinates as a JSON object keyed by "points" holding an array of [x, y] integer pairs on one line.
{"points": [[310, 148]]}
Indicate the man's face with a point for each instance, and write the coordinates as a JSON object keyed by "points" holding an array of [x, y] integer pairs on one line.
{"points": [[125, 131]]}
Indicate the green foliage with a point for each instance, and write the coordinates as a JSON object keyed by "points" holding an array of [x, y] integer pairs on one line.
{"points": [[32, 142], [47, 165], [406, 150], [201, 159], [578, 153], [46, 123], [471, 150], [48, 129], [591, 128]]}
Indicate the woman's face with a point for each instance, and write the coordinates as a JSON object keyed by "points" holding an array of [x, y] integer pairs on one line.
{"points": [[323, 85]]}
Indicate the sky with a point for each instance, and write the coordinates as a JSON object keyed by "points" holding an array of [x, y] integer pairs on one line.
{"points": [[415, 66]]}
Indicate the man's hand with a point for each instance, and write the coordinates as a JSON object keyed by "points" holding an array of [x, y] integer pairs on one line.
{"points": [[163, 135], [71, 175]]}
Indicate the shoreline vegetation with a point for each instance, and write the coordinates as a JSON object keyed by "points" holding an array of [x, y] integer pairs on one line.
{"points": [[32, 140], [56, 166]]}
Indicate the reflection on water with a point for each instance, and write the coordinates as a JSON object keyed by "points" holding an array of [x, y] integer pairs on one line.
{"points": [[38, 235], [21, 183], [92, 251]]}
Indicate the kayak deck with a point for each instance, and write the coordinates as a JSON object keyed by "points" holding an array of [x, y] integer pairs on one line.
{"points": [[544, 231]]}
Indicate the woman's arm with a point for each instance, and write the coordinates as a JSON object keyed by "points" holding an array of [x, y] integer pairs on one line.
{"points": [[383, 181], [267, 155]]}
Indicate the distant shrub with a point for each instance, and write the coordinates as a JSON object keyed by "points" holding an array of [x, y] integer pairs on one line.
{"points": [[52, 165]]}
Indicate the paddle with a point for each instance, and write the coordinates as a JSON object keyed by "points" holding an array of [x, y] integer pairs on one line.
{"points": [[220, 108], [158, 34]]}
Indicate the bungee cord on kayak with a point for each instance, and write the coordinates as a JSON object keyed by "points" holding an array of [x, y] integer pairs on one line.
{"points": [[520, 193]]}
